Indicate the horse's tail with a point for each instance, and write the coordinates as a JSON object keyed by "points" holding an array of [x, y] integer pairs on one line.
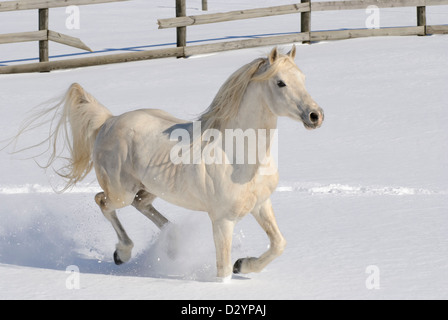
{"points": [[80, 118]]}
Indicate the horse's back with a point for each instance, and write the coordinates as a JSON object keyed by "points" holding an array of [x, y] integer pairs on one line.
{"points": [[160, 114], [137, 126], [146, 118]]}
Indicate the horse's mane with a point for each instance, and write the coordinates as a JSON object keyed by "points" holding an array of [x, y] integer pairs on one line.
{"points": [[227, 101]]}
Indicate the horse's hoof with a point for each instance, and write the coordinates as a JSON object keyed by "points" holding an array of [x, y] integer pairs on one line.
{"points": [[237, 266], [117, 259], [224, 279]]}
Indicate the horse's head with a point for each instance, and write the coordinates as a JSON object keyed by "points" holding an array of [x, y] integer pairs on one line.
{"points": [[285, 90]]}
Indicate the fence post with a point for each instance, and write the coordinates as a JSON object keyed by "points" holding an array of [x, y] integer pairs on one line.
{"points": [[305, 21], [181, 11], [43, 44], [421, 18], [204, 5]]}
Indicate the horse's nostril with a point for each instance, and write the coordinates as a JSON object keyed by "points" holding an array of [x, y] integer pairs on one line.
{"points": [[314, 117]]}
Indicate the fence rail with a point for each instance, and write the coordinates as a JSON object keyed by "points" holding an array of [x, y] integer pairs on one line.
{"points": [[44, 34], [231, 16], [362, 4], [291, 9], [46, 4], [181, 22]]}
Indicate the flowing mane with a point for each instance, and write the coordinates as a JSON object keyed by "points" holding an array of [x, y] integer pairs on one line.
{"points": [[226, 104]]}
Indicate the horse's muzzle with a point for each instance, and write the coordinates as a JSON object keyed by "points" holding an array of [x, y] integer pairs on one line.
{"points": [[313, 119]]}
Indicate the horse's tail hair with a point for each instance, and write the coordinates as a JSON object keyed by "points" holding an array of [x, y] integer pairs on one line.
{"points": [[76, 120]]}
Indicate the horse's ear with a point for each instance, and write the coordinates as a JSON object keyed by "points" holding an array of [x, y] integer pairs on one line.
{"points": [[292, 53], [273, 55]]}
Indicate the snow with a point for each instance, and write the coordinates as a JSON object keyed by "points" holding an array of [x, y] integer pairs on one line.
{"points": [[369, 188]]}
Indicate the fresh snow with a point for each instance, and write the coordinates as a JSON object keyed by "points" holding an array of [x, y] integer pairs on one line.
{"points": [[369, 188]]}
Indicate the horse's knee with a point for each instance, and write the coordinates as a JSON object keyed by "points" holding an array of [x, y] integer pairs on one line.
{"points": [[279, 247]]}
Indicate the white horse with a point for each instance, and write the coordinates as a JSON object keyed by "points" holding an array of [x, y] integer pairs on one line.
{"points": [[133, 155]]}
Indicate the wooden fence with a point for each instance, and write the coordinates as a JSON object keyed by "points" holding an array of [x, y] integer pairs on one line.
{"points": [[44, 34], [305, 8], [181, 22]]}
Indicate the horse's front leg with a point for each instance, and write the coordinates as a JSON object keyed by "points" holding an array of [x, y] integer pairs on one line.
{"points": [[264, 214], [222, 235]]}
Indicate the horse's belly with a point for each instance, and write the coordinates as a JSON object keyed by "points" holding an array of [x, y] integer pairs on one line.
{"points": [[189, 203], [174, 184]]}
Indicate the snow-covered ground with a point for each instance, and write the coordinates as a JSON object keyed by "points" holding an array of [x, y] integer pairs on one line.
{"points": [[362, 201]]}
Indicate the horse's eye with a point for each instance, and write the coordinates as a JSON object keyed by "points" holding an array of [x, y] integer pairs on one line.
{"points": [[281, 84]]}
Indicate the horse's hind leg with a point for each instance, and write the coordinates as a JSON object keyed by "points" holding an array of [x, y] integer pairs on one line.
{"points": [[124, 246], [143, 203]]}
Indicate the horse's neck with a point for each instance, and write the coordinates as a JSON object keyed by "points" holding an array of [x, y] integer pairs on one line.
{"points": [[254, 119], [253, 112]]}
